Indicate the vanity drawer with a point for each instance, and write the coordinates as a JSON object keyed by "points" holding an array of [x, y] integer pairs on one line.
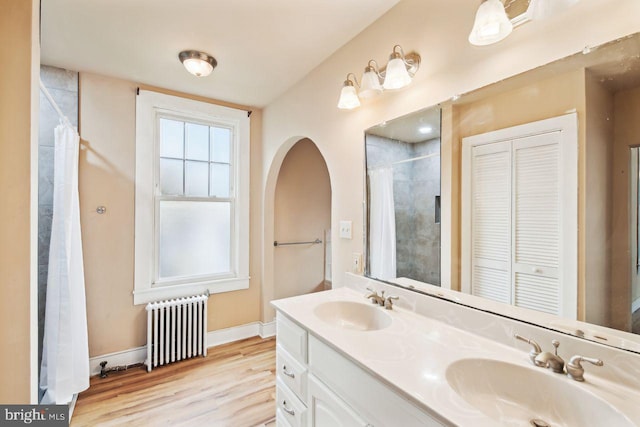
{"points": [[291, 372], [292, 338], [289, 407]]}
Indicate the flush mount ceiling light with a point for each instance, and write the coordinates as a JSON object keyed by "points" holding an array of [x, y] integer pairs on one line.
{"points": [[491, 25], [199, 64], [397, 74]]}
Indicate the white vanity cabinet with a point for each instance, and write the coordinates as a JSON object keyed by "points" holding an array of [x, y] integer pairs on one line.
{"points": [[291, 374], [319, 387]]}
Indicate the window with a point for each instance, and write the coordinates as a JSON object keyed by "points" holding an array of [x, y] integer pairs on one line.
{"points": [[192, 201]]}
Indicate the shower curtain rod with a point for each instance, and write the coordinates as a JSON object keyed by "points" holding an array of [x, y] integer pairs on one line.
{"points": [[404, 161], [414, 159], [53, 103]]}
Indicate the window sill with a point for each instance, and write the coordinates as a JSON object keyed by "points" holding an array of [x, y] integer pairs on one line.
{"points": [[158, 293]]}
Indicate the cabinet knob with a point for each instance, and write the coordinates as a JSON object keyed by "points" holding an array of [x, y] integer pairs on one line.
{"points": [[536, 270]]}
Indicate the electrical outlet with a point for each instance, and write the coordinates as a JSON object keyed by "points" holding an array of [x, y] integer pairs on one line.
{"points": [[345, 229], [356, 263]]}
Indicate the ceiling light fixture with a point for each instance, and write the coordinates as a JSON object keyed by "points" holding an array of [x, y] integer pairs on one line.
{"points": [[348, 95], [425, 130], [198, 63], [491, 25], [397, 74]]}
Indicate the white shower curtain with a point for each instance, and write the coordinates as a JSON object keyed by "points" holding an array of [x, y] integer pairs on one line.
{"points": [[382, 225], [65, 353]]}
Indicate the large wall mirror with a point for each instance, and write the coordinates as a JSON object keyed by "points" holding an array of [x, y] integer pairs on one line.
{"points": [[533, 211]]}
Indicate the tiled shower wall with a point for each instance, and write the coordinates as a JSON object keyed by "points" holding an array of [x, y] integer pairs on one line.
{"points": [[63, 87], [415, 186]]}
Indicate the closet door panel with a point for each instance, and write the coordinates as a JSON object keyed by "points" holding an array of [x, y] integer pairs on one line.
{"points": [[537, 207], [491, 221]]}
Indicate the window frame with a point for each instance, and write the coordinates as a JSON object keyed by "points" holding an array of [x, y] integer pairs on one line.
{"points": [[150, 108]]}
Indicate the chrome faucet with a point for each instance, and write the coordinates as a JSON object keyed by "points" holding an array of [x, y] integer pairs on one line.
{"points": [[575, 371], [551, 360], [375, 298]]}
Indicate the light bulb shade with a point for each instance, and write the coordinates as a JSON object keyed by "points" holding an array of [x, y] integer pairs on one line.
{"points": [[542, 9], [491, 25], [370, 85], [397, 76], [197, 63], [348, 97]]}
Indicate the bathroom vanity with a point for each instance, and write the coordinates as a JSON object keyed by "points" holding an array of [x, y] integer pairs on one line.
{"points": [[343, 361]]}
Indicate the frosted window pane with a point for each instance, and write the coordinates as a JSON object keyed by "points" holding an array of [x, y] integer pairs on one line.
{"points": [[220, 145], [195, 238], [219, 180], [171, 138], [197, 142], [171, 177], [196, 178]]}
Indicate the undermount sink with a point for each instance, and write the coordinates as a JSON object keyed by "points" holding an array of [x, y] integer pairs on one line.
{"points": [[353, 315], [517, 395]]}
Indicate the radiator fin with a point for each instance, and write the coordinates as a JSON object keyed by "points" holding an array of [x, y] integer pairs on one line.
{"points": [[176, 330]]}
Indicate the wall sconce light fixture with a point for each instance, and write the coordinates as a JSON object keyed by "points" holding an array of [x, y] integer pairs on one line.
{"points": [[348, 95], [491, 25], [199, 64], [397, 74], [370, 81]]}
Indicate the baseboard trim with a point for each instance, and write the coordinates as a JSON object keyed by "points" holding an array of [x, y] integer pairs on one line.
{"points": [[214, 338], [268, 329], [635, 305], [237, 333]]}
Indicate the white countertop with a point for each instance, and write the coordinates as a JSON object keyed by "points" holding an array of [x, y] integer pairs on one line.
{"points": [[413, 353]]}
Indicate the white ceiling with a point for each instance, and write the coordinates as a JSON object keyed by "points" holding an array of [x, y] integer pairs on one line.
{"points": [[263, 47], [416, 127]]}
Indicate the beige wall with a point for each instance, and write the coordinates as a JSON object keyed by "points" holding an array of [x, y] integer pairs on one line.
{"points": [[626, 134], [302, 213], [438, 31], [594, 238], [18, 189], [107, 171]]}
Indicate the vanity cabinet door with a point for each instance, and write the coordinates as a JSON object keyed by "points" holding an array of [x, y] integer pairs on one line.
{"points": [[328, 410]]}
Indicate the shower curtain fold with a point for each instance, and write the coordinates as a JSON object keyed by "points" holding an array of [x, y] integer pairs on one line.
{"points": [[65, 353], [382, 225]]}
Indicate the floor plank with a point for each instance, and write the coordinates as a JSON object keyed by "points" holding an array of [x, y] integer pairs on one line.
{"points": [[233, 386]]}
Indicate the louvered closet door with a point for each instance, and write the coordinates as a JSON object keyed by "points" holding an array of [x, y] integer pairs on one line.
{"points": [[491, 221], [537, 207]]}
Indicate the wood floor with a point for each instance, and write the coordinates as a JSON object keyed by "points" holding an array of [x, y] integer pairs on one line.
{"points": [[233, 386]]}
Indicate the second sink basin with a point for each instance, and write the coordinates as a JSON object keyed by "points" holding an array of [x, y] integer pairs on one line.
{"points": [[353, 315], [516, 395]]}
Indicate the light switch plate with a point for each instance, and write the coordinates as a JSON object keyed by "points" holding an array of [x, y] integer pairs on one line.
{"points": [[345, 229]]}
